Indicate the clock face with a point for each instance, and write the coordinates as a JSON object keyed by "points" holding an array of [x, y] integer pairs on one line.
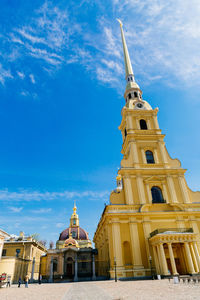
{"points": [[139, 105]]}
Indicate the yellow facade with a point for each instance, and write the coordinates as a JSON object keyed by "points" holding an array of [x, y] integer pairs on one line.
{"points": [[21, 256], [152, 223]]}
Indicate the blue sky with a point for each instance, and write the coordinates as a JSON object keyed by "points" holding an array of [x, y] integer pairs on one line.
{"points": [[61, 95]]}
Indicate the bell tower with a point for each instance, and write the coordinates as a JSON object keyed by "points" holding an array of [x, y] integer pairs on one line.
{"points": [[148, 172], [152, 224]]}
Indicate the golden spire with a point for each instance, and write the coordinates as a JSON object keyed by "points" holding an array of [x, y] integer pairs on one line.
{"points": [[127, 61], [131, 84]]}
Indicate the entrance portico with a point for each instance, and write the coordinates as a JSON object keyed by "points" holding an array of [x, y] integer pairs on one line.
{"points": [[175, 252]]}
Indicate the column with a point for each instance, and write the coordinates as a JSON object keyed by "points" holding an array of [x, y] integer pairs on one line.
{"points": [[159, 259], [76, 269], [163, 152], [33, 269], [155, 152], [134, 153], [197, 253], [172, 189], [93, 268], [189, 258], [155, 122], [51, 270], [117, 247], [129, 122], [163, 260], [140, 187], [147, 229], [143, 156], [148, 124], [158, 271], [148, 193], [194, 258], [172, 260], [184, 190], [165, 192], [128, 191], [137, 124], [135, 242]]}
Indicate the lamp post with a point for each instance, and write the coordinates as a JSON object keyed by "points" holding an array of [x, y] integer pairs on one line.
{"points": [[150, 262], [115, 265]]}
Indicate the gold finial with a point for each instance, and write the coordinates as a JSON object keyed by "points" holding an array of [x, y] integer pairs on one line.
{"points": [[120, 22], [119, 177], [75, 208]]}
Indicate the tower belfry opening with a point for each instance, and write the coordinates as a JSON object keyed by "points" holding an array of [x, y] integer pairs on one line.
{"points": [[152, 223]]}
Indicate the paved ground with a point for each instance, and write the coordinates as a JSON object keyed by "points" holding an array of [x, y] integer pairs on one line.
{"points": [[104, 290]]}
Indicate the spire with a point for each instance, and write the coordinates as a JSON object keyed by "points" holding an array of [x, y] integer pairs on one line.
{"points": [[127, 61], [130, 79], [74, 220]]}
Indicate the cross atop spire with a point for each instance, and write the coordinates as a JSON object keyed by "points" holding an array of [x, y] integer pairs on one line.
{"points": [[130, 79]]}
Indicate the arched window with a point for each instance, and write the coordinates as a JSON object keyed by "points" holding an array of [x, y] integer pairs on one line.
{"points": [[149, 157], [129, 95], [135, 94], [127, 253], [157, 196], [143, 124], [125, 132]]}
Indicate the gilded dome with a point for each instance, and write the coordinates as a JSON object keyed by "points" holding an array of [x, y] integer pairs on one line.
{"points": [[77, 233]]}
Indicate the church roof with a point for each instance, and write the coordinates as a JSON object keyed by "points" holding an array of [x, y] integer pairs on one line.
{"points": [[78, 233]]}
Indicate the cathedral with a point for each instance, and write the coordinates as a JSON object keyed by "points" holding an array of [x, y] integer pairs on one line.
{"points": [[152, 223], [73, 259]]}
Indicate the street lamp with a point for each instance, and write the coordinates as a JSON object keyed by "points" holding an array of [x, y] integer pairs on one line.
{"points": [[150, 262], [115, 265]]}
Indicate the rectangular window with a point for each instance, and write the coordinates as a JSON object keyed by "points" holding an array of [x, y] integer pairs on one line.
{"points": [[4, 252], [18, 252]]}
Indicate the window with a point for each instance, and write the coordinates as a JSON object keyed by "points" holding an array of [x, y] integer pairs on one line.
{"points": [[125, 132], [149, 157], [17, 252], [143, 125], [157, 196], [135, 94], [4, 252], [55, 264], [74, 234], [129, 95], [74, 221]]}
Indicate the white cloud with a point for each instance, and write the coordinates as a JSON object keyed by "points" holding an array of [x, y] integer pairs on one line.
{"points": [[25, 195], [15, 209], [32, 78], [21, 74], [60, 225], [41, 210], [4, 74]]}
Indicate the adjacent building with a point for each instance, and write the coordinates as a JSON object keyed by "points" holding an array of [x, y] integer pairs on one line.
{"points": [[20, 257], [152, 223], [3, 235], [73, 258]]}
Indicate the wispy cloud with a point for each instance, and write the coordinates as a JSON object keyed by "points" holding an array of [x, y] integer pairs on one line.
{"points": [[15, 209], [21, 74], [163, 40], [60, 225], [41, 210], [4, 74], [25, 195], [32, 78]]}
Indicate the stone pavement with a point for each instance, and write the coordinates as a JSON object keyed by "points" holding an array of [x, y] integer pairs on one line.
{"points": [[104, 290], [86, 290]]}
